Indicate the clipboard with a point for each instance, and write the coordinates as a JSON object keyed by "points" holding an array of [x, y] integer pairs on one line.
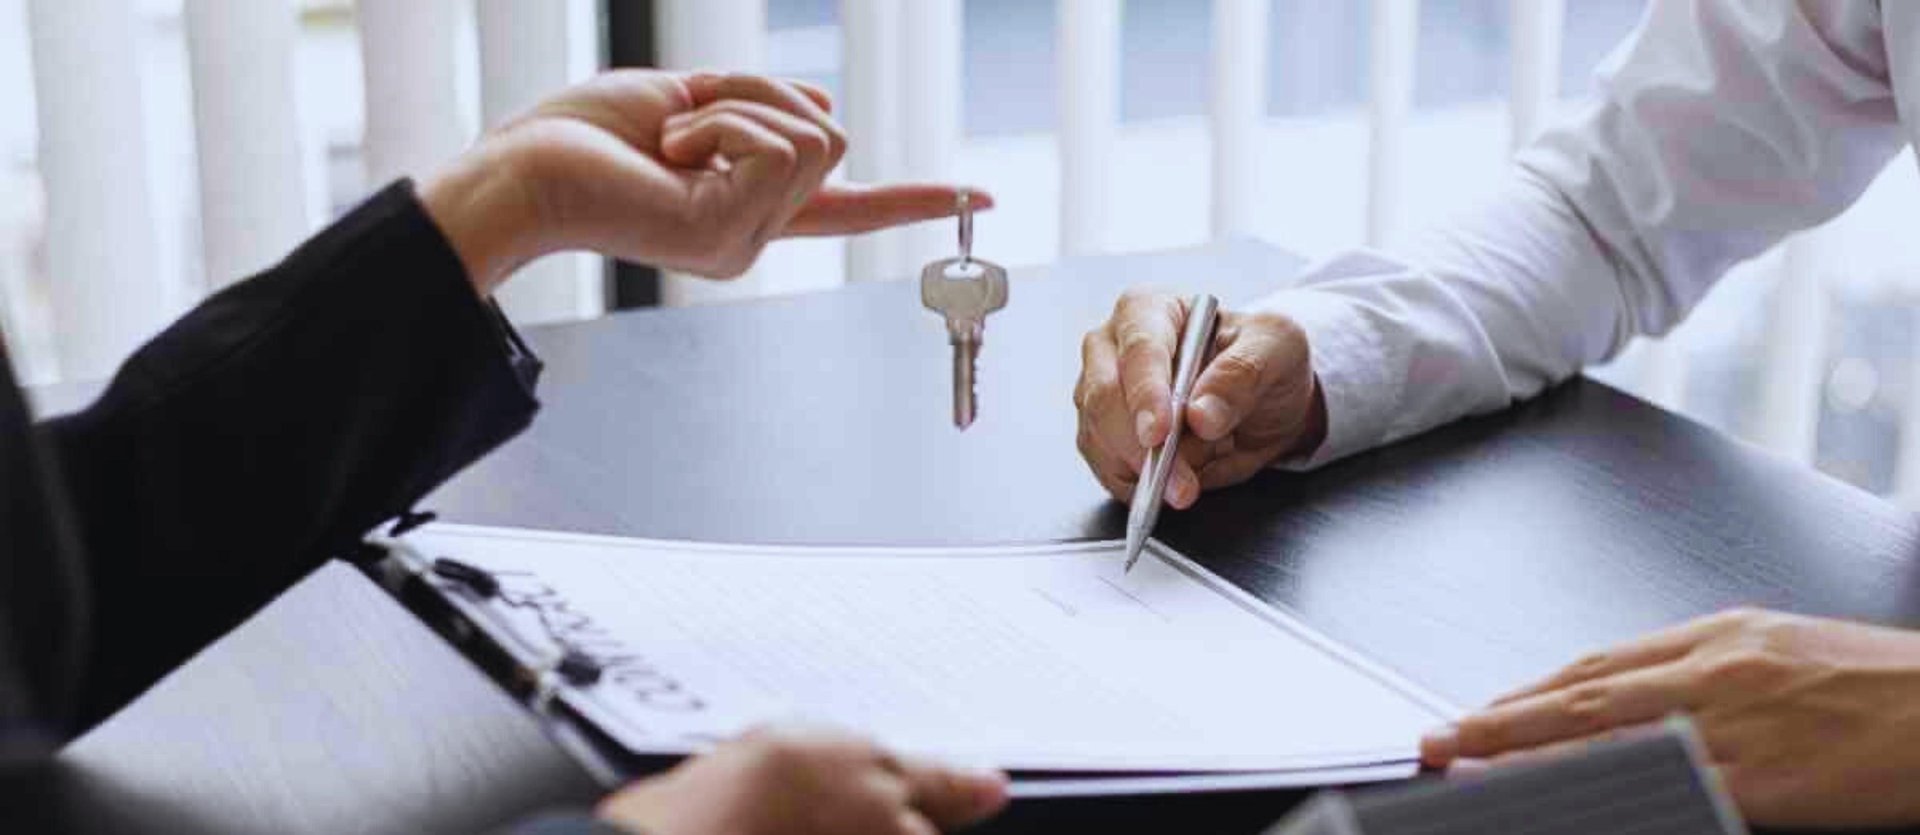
{"points": [[458, 605]]}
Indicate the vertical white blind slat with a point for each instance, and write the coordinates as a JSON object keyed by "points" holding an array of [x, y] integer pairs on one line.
{"points": [[721, 36], [101, 245], [1239, 99], [1089, 56], [1535, 85], [253, 173], [1794, 358], [1391, 43], [529, 50], [413, 122], [929, 115], [870, 86]]}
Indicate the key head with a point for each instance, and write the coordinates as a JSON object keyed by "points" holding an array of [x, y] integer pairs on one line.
{"points": [[963, 289]]}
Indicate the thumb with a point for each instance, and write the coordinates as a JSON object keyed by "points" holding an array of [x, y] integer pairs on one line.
{"points": [[952, 798], [1231, 384]]}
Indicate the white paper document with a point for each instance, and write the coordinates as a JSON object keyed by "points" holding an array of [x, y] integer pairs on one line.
{"points": [[1026, 658]]}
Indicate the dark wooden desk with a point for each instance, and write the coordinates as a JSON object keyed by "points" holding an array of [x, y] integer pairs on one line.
{"points": [[1470, 559]]}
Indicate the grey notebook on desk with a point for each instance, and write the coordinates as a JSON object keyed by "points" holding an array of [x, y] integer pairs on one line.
{"points": [[1651, 786]]}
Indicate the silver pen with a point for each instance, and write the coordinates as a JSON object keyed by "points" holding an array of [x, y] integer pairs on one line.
{"points": [[1150, 492]]}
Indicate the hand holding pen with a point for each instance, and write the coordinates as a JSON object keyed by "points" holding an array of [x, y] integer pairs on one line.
{"points": [[1254, 402]]}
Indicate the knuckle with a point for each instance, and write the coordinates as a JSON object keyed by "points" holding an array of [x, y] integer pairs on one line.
{"points": [[1089, 343], [813, 142], [1239, 368], [1277, 325], [1739, 617], [1097, 399], [1483, 734], [784, 156], [1743, 670], [1587, 707], [782, 752], [836, 141], [1132, 341], [1588, 665]]}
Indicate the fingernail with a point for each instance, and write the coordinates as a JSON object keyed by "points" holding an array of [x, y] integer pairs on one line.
{"points": [[676, 120], [1213, 416], [1179, 491], [1143, 427], [987, 789], [1439, 746]]}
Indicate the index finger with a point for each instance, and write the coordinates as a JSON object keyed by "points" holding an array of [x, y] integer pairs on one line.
{"points": [[850, 209], [1630, 698], [1146, 327], [952, 798], [1658, 648]]}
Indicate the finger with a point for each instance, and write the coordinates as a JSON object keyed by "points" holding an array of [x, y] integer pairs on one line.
{"points": [[1114, 475], [813, 91], [1256, 352], [1183, 481], [799, 98], [784, 96], [952, 798], [1146, 326], [809, 142], [1103, 404], [1573, 747], [816, 152], [1658, 648], [1586, 709], [1228, 470], [909, 822], [842, 209], [692, 139], [763, 163]]}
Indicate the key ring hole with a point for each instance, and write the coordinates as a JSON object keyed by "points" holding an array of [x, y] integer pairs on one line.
{"points": [[964, 270], [965, 201]]}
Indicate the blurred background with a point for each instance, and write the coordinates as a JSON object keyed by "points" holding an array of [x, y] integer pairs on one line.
{"points": [[154, 150]]}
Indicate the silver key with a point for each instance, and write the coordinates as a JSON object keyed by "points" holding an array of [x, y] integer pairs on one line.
{"points": [[964, 290]]}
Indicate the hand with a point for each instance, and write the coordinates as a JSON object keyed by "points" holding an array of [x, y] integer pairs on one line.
{"points": [[802, 782], [690, 172], [1809, 722], [1254, 402]]}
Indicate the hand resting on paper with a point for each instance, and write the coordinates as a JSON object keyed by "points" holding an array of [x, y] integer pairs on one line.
{"points": [[1811, 722], [800, 782]]}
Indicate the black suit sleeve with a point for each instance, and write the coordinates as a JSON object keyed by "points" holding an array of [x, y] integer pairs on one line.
{"points": [[268, 430]]}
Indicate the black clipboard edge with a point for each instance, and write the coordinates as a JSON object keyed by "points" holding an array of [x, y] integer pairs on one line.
{"points": [[607, 761]]}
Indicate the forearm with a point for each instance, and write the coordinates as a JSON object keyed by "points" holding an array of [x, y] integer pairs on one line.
{"points": [[1723, 126], [269, 428]]}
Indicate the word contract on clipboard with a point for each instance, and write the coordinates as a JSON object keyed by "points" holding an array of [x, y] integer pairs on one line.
{"points": [[1049, 661]]}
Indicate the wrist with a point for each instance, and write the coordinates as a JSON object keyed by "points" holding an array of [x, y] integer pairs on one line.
{"points": [[1313, 431], [486, 208]]}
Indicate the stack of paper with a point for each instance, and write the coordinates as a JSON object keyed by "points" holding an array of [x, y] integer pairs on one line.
{"points": [[1026, 658]]}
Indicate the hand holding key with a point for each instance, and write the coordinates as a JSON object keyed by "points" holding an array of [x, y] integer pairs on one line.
{"points": [[964, 290], [1255, 402]]}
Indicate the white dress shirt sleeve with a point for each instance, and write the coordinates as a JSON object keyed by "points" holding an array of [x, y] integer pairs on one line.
{"points": [[1722, 126]]}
